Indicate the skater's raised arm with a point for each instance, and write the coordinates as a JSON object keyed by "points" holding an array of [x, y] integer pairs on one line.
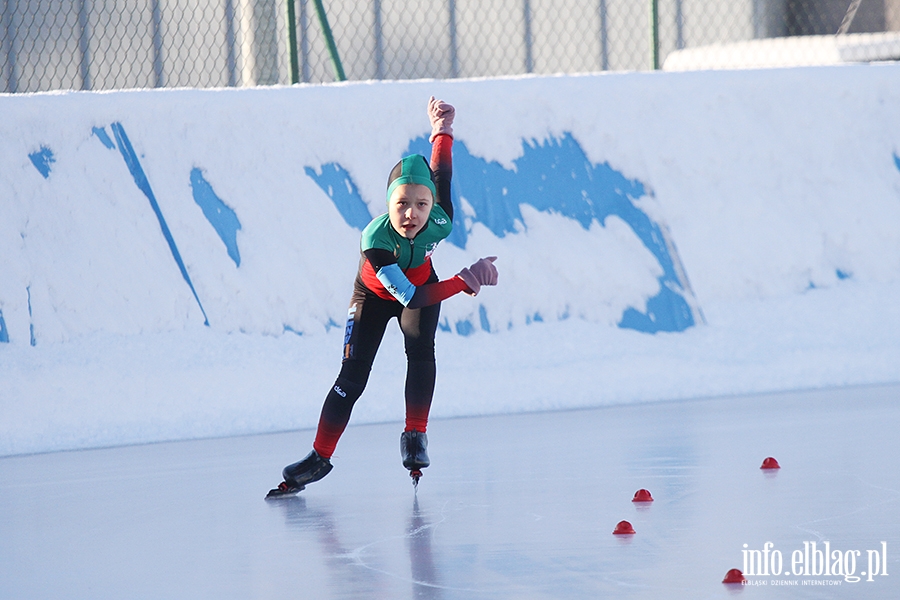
{"points": [[441, 115]]}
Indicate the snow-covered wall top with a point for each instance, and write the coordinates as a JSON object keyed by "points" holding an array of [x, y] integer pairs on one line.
{"points": [[636, 202]]}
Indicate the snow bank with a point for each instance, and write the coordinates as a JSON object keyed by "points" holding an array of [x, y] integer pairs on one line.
{"points": [[177, 263]]}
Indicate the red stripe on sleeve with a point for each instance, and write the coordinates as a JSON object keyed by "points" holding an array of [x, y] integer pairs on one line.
{"points": [[442, 152]]}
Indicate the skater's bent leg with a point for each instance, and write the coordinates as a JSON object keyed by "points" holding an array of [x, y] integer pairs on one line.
{"points": [[336, 414], [419, 327], [367, 319], [420, 377]]}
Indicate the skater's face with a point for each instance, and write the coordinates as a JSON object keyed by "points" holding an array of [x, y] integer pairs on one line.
{"points": [[409, 207]]}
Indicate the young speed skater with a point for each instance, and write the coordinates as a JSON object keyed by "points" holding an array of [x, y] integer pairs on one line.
{"points": [[396, 279]]}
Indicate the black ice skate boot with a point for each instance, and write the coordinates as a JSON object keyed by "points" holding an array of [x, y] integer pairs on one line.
{"points": [[312, 468], [414, 450]]}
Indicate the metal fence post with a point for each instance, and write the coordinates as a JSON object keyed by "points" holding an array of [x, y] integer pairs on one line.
{"points": [[679, 24], [454, 55], [329, 40], [379, 41], [304, 43], [84, 43], [230, 58], [529, 58], [848, 17], [292, 41], [604, 37], [158, 74], [12, 73], [654, 34]]}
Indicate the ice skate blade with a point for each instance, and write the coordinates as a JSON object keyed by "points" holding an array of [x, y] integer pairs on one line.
{"points": [[416, 474], [283, 491]]}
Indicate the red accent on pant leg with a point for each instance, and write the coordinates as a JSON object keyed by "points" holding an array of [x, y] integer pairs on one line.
{"points": [[327, 437], [417, 418]]}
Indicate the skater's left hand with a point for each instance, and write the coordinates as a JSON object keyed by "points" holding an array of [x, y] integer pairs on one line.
{"points": [[440, 114], [482, 272]]}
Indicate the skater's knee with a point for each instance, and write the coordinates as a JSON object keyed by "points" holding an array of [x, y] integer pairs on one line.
{"points": [[420, 351], [355, 372], [348, 389]]}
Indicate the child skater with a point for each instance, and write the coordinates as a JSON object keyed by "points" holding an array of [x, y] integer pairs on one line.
{"points": [[396, 279]]}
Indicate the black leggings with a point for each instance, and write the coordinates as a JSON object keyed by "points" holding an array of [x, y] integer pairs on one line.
{"points": [[366, 323]]}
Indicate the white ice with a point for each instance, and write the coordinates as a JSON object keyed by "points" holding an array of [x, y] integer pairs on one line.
{"points": [[512, 507]]}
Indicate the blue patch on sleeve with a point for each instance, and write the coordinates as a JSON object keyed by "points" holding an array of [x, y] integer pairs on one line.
{"points": [[394, 281]]}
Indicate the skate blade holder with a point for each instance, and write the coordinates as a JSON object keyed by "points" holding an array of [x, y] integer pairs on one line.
{"points": [[283, 491], [416, 474]]}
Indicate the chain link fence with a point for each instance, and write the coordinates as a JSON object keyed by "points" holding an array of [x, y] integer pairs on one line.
{"points": [[113, 44]]}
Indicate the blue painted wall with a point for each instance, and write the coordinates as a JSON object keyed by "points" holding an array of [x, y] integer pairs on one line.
{"points": [[223, 219], [335, 181], [143, 184], [552, 176], [43, 160]]}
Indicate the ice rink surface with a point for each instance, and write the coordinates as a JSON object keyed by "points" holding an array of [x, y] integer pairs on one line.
{"points": [[517, 507]]}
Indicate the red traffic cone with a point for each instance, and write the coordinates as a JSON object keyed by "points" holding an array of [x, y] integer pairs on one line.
{"points": [[770, 463], [642, 496], [734, 576], [623, 528]]}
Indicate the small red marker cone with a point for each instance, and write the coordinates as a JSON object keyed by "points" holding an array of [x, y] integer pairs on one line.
{"points": [[623, 528], [642, 496], [734, 576], [770, 463]]}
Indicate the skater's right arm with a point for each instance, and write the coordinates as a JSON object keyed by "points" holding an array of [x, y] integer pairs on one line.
{"points": [[441, 115], [442, 167]]}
